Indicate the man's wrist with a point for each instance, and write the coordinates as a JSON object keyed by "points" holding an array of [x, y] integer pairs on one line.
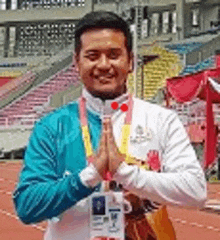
{"points": [[120, 168], [90, 177]]}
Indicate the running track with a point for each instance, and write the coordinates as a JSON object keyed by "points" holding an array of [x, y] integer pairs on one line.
{"points": [[189, 224]]}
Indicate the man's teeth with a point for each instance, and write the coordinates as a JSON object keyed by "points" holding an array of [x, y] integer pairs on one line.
{"points": [[105, 77]]}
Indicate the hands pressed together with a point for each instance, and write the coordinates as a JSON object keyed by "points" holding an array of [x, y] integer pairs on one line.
{"points": [[108, 157]]}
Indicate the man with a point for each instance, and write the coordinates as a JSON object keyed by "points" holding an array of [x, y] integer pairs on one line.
{"points": [[58, 176]]}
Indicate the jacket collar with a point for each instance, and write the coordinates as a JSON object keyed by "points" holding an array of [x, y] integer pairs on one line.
{"points": [[103, 108]]}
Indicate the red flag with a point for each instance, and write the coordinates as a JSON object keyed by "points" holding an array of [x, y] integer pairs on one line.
{"points": [[185, 88], [4, 80]]}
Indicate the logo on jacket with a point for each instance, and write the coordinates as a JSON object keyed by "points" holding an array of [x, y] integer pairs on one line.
{"points": [[153, 160], [141, 135]]}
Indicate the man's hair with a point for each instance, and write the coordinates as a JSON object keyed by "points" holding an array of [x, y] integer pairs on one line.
{"points": [[101, 20]]}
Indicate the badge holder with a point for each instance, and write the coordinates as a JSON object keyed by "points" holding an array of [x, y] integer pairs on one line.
{"points": [[107, 215]]}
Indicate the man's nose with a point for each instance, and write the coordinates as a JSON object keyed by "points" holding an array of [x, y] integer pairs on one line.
{"points": [[103, 62]]}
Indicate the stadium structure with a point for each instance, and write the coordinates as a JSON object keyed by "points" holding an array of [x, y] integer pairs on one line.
{"points": [[37, 71]]}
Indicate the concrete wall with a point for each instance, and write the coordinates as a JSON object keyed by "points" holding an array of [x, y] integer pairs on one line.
{"points": [[180, 9], [208, 14], [204, 52], [193, 1], [164, 38], [64, 13], [2, 40], [187, 18], [14, 138], [160, 2], [113, 7]]}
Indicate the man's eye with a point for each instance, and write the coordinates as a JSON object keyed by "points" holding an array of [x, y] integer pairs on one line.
{"points": [[92, 56], [113, 55]]}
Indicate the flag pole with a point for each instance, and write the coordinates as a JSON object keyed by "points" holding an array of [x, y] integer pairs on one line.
{"points": [[135, 48], [205, 82]]}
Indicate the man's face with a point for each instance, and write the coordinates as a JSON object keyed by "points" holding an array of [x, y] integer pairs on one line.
{"points": [[103, 62]]}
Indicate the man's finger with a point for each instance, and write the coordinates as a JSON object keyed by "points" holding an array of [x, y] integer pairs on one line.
{"points": [[103, 140], [105, 123], [109, 132], [102, 143]]}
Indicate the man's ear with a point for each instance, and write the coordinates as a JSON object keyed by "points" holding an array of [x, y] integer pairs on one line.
{"points": [[76, 61], [131, 63]]}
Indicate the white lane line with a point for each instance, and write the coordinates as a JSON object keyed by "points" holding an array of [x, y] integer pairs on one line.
{"points": [[194, 224], [7, 180], [17, 218], [8, 214], [177, 219], [200, 225], [38, 227], [11, 181], [12, 170], [216, 230], [210, 227], [6, 192]]}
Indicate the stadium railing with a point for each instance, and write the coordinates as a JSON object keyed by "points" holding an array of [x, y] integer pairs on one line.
{"points": [[16, 84]]}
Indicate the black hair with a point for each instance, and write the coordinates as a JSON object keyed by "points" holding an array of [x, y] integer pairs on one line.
{"points": [[100, 20]]}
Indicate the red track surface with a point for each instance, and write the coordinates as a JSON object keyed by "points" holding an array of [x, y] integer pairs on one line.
{"points": [[189, 224]]}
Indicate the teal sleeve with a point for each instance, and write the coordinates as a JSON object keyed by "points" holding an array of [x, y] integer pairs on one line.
{"points": [[41, 193]]}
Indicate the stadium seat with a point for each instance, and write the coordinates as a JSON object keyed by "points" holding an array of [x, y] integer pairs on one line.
{"points": [[38, 97]]}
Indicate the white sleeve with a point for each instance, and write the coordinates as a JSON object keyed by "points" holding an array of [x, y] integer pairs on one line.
{"points": [[181, 182], [90, 176]]}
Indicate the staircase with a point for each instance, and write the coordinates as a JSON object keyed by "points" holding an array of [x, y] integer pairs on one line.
{"points": [[155, 73]]}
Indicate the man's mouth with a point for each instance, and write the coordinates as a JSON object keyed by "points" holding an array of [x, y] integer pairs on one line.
{"points": [[104, 79]]}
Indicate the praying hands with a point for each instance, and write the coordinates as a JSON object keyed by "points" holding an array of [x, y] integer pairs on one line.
{"points": [[108, 157]]}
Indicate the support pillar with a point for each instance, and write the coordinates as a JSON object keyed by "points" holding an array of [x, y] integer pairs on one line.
{"points": [[6, 41], [8, 4], [180, 9], [12, 155]]}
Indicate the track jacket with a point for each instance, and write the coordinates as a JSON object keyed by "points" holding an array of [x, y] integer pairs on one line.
{"points": [[56, 180]]}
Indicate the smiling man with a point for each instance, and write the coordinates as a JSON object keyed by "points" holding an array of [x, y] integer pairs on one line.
{"points": [[72, 149]]}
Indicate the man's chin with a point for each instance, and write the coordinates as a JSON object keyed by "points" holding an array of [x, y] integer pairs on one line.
{"points": [[106, 93]]}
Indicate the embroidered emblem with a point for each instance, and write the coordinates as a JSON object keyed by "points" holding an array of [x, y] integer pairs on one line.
{"points": [[153, 160], [141, 135]]}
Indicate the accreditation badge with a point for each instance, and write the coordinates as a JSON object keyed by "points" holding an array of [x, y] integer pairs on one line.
{"points": [[107, 215]]}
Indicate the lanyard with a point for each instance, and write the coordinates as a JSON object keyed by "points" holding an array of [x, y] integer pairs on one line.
{"points": [[125, 131]]}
